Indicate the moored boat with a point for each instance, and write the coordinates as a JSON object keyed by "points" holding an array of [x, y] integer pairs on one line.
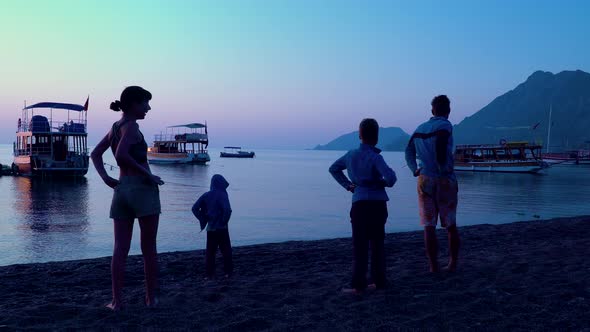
{"points": [[50, 144], [574, 157], [181, 144], [510, 157], [236, 152]]}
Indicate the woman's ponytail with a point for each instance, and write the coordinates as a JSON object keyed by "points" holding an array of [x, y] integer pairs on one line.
{"points": [[116, 106]]}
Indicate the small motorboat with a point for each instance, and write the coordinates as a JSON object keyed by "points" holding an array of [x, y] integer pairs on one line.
{"points": [[236, 152]]}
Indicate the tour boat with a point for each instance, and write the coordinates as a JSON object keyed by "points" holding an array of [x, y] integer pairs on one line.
{"points": [[180, 144], [510, 157], [51, 140]]}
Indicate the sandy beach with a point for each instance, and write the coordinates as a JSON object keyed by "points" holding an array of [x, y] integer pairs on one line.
{"points": [[522, 276]]}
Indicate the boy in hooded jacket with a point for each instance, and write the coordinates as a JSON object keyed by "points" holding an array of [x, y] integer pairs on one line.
{"points": [[213, 210]]}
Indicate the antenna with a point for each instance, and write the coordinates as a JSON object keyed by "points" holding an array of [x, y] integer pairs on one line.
{"points": [[549, 127]]}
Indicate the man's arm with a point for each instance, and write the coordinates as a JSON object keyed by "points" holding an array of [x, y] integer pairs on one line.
{"points": [[337, 169], [411, 157], [442, 140]]}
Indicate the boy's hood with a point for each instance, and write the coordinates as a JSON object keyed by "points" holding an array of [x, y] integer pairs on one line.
{"points": [[218, 182]]}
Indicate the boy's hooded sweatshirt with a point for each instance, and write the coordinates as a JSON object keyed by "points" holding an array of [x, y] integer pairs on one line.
{"points": [[213, 208]]}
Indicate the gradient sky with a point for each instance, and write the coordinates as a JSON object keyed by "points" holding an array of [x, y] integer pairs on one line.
{"points": [[280, 74]]}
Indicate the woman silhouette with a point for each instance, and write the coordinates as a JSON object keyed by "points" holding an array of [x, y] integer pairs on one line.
{"points": [[136, 193]]}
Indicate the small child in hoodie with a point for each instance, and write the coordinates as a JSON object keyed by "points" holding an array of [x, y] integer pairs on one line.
{"points": [[213, 210]]}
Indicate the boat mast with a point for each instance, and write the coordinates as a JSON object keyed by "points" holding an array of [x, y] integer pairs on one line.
{"points": [[23, 114], [549, 126]]}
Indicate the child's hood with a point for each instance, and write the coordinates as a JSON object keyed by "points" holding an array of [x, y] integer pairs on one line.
{"points": [[218, 182]]}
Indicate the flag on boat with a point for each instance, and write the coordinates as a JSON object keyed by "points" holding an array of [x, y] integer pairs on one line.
{"points": [[86, 103]]}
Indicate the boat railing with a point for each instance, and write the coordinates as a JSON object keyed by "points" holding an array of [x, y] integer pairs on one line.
{"points": [[47, 126], [186, 137], [48, 151], [498, 146]]}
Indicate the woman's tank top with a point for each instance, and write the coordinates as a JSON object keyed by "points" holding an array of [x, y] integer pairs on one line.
{"points": [[137, 151]]}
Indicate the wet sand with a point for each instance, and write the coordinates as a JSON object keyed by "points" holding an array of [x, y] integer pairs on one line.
{"points": [[531, 275]]}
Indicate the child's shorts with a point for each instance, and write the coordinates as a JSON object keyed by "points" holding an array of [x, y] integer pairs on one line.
{"points": [[437, 197], [135, 197]]}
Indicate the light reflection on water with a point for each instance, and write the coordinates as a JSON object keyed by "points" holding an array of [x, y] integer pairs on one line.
{"points": [[50, 218], [278, 196]]}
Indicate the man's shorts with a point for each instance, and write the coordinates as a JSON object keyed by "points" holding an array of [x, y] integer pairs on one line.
{"points": [[437, 197], [135, 197]]}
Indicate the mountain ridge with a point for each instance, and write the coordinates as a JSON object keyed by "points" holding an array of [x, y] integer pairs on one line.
{"points": [[390, 139], [523, 113]]}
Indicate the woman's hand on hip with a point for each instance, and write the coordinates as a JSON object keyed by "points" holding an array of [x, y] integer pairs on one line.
{"points": [[111, 182], [156, 179]]}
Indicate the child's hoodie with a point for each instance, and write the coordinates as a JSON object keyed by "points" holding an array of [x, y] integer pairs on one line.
{"points": [[213, 208]]}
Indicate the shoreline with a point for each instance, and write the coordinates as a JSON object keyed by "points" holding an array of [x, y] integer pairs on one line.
{"points": [[523, 275]]}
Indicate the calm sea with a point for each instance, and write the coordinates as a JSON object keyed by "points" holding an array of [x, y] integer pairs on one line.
{"points": [[277, 196]]}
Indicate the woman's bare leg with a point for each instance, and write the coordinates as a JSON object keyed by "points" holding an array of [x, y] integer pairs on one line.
{"points": [[149, 232], [123, 232]]}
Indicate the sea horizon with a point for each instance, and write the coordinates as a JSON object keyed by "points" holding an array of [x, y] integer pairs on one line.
{"points": [[281, 195]]}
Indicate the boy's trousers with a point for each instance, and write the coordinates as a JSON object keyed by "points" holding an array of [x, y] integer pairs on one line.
{"points": [[218, 239], [368, 231]]}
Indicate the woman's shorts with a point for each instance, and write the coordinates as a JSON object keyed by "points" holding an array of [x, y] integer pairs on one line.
{"points": [[135, 197]]}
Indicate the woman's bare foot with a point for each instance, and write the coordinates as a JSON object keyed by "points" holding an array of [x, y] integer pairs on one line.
{"points": [[452, 267], [114, 306], [152, 303]]}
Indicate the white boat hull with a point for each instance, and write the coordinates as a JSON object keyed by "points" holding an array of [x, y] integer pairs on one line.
{"points": [[34, 165], [499, 167], [178, 158], [566, 161]]}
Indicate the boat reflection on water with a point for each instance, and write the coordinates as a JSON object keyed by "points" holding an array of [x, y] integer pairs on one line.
{"points": [[47, 212]]}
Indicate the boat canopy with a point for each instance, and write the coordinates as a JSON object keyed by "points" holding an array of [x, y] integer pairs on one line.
{"points": [[232, 147], [71, 107], [190, 125]]}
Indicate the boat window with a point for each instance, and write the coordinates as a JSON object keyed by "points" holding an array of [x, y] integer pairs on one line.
{"points": [[477, 154], [516, 153], [500, 154]]}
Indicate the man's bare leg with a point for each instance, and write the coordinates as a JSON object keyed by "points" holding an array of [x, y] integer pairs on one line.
{"points": [[454, 243], [431, 245]]}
